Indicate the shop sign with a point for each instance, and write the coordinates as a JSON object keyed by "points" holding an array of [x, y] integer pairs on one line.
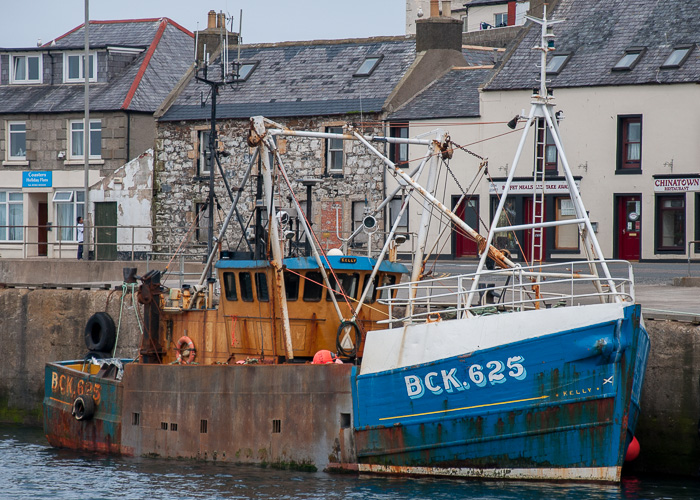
{"points": [[525, 187], [680, 184], [37, 179]]}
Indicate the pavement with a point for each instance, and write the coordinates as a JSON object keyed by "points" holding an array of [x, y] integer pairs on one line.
{"points": [[654, 288]]}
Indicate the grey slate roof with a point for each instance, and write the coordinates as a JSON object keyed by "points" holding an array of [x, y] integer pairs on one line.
{"points": [[304, 79], [137, 87], [597, 32], [454, 95]]}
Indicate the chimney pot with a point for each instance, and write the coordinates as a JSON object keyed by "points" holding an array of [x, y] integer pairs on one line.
{"points": [[211, 19], [447, 8], [434, 8], [221, 20]]}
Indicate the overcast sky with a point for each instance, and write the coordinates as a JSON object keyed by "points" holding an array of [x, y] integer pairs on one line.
{"points": [[23, 22]]}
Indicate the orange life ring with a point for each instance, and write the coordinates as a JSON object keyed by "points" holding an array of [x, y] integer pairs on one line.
{"points": [[185, 341]]}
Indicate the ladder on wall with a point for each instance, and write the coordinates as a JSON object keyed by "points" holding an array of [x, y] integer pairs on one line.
{"points": [[538, 192]]}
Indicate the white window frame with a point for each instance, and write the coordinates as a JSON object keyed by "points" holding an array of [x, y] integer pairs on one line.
{"points": [[66, 230], [10, 134], [81, 76], [26, 57], [332, 150], [15, 233], [502, 15], [394, 209], [74, 156], [203, 169]]}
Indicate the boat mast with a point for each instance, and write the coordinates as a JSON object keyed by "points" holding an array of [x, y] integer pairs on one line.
{"points": [[542, 106]]}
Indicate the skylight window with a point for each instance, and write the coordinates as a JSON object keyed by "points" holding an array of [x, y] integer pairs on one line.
{"points": [[557, 63], [368, 66], [630, 59], [246, 70], [677, 57]]}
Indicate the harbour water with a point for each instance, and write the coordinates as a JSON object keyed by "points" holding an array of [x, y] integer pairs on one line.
{"points": [[31, 469]]}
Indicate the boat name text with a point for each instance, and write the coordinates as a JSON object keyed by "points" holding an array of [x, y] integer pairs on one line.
{"points": [[448, 380], [66, 385]]}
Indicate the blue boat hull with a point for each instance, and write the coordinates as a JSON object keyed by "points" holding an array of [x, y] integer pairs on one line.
{"points": [[557, 406]]}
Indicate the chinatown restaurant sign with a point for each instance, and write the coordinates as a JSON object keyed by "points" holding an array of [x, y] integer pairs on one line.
{"points": [[679, 184], [525, 187]]}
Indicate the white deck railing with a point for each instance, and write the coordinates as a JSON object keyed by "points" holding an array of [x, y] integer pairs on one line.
{"points": [[506, 290]]}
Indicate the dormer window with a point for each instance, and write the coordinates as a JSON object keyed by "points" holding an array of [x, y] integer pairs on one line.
{"points": [[368, 66], [677, 57], [246, 70], [25, 69], [557, 63], [73, 67], [630, 59]]}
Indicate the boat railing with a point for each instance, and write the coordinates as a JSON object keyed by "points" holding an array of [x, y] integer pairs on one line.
{"points": [[507, 290]]}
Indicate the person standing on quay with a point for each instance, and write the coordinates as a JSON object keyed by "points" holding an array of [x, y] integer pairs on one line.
{"points": [[80, 238]]}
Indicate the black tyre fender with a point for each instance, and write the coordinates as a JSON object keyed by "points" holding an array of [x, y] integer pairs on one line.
{"points": [[100, 333], [356, 341], [83, 407]]}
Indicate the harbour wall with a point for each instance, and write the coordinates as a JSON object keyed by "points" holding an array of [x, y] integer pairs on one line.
{"points": [[42, 325]]}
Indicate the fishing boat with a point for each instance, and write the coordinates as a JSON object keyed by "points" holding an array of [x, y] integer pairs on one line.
{"points": [[330, 361]]}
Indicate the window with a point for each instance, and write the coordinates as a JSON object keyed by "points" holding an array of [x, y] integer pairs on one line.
{"points": [[202, 212], [245, 70], [359, 212], [68, 206], [465, 26], [334, 151], [11, 216], [203, 158], [501, 20], [394, 210], [368, 66], [670, 223], [629, 148], [557, 63], [677, 57], [387, 280], [565, 237], [17, 139], [313, 291], [370, 297], [546, 149], [230, 286], [25, 69], [77, 127], [291, 285], [246, 287], [398, 153], [73, 67], [261, 287], [349, 284], [630, 59]]}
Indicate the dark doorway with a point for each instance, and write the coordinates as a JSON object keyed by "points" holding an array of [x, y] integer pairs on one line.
{"points": [[628, 234], [106, 230], [43, 234]]}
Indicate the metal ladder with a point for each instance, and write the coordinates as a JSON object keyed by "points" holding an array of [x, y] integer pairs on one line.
{"points": [[538, 189]]}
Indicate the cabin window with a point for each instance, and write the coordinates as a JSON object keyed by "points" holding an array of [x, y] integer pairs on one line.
{"points": [[291, 285], [261, 287], [313, 290], [348, 282], [372, 289], [246, 287], [387, 279], [230, 286]]}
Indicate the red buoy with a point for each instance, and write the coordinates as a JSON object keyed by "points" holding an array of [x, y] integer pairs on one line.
{"points": [[632, 450]]}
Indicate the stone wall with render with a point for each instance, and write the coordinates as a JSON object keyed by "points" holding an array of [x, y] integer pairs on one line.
{"points": [[179, 188]]}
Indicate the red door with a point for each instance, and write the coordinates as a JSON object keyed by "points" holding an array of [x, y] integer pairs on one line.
{"points": [[539, 250], [468, 211], [629, 227]]}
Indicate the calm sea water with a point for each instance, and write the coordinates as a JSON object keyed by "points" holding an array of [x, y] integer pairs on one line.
{"points": [[29, 468]]}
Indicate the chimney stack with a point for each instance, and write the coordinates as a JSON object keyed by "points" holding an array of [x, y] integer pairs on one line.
{"points": [[209, 40], [439, 32]]}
